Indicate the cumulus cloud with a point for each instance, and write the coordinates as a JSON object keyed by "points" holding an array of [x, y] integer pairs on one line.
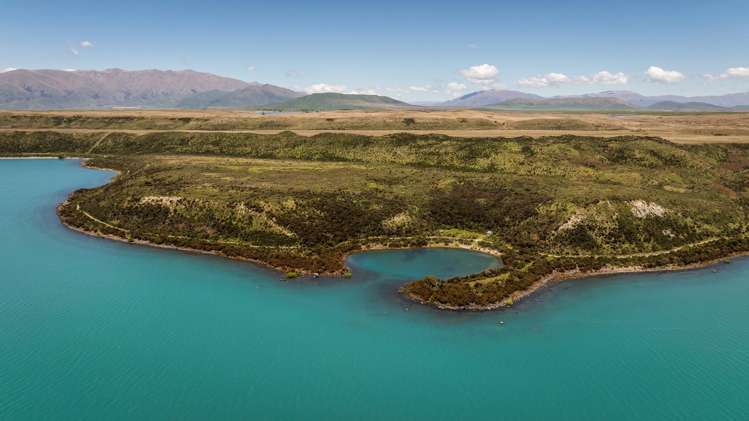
{"points": [[605, 77], [730, 73], [550, 79], [8, 69], [738, 72], [483, 74], [657, 74], [86, 44], [320, 88]]}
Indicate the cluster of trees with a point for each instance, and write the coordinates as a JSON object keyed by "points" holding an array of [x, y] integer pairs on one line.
{"points": [[490, 205], [329, 218]]}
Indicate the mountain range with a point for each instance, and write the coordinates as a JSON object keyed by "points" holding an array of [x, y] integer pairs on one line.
{"points": [[598, 100], [108, 88], [83, 89], [607, 100], [336, 101], [254, 95], [488, 97]]}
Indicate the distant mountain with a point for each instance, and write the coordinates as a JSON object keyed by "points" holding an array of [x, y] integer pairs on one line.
{"points": [[637, 100], [112, 87], [730, 100], [563, 104], [59, 89], [686, 106], [254, 95], [612, 100], [486, 98], [628, 97], [334, 101]]}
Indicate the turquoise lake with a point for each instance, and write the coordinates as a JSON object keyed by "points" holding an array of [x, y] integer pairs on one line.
{"points": [[100, 330]]}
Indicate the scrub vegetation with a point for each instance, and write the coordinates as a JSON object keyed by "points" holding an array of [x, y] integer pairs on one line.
{"points": [[547, 206]]}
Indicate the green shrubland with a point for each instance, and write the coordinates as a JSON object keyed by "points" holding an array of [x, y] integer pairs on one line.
{"points": [[302, 203]]}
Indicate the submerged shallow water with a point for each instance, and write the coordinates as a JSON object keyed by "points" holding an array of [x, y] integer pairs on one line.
{"points": [[96, 329]]}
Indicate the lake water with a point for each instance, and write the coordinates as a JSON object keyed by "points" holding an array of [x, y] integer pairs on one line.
{"points": [[95, 329]]}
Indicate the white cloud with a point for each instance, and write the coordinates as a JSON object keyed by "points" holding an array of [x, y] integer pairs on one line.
{"points": [[250, 68], [8, 69], [483, 74], [362, 91], [425, 88], [657, 74], [86, 44], [738, 72], [74, 52], [730, 73], [604, 77], [319, 88], [550, 79], [454, 88], [69, 70], [473, 46]]}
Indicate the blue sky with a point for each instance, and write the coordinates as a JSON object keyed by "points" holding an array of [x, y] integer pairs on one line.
{"points": [[411, 50]]}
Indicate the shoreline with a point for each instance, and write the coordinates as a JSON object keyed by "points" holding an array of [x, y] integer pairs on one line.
{"points": [[166, 246], [341, 273], [559, 277], [517, 296], [337, 274]]}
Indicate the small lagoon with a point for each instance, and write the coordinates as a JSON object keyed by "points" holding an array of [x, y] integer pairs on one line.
{"points": [[97, 329]]}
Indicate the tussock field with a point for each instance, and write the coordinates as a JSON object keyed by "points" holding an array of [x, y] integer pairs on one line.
{"points": [[676, 127], [549, 206]]}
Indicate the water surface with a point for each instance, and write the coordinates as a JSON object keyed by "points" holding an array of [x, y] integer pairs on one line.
{"points": [[95, 329]]}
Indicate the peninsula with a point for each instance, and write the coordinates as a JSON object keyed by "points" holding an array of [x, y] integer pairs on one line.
{"points": [[552, 206]]}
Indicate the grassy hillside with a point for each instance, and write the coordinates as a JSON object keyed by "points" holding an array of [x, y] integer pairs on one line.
{"points": [[250, 97], [394, 120], [334, 101], [300, 204], [563, 104], [687, 107]]}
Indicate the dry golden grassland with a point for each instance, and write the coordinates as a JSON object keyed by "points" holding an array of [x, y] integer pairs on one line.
{"points": [[689, 128]]}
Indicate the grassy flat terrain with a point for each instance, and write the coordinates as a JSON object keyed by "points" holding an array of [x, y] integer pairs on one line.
{"points": [[554, 204], [676, 127]]}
